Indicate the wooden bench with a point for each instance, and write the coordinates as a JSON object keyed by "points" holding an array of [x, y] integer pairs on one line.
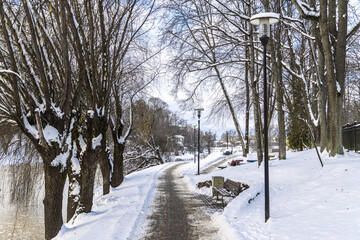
{"points": [[231, 189]]}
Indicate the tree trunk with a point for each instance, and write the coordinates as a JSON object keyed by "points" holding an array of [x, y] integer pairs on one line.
{"points": [[247, 88], [232, 111], [255, 97], [88, 165], [322, 103], [104, 155], [321, 94], [117, 176], [105, 168], [333, 44], [73, 191], [335, 74], [54, 187], [341, 70], [158, 154], [280, 93]]}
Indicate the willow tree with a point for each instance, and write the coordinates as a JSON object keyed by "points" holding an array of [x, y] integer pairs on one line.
{"points": [[59, 63], [38, 93]]}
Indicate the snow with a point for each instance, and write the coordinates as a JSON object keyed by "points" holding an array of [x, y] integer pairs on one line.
{"points": [[30, 128], [75, 163], [185, 157], [91, 113], [83, 145], [96, 142], [338, 88], [60, 160], [308, 11], [10, 72], [51, 134], [120, 214], [306, 200], [191, 169], [273, 18], [74, 188], [57, 110]]}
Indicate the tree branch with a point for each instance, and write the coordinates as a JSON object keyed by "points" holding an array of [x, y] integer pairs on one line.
{"points": [[306, 11], [353, 31]]}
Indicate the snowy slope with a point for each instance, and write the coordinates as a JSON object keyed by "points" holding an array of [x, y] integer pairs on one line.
{"points": [[306, 201]]}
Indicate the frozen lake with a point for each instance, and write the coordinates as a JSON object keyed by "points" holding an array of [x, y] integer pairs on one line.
{"points": [[16, 223], [20, 222]]}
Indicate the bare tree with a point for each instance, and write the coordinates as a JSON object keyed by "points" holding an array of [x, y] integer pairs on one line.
{"points": [[331, 19], [59, 65], [32, 83], [194, 30]]}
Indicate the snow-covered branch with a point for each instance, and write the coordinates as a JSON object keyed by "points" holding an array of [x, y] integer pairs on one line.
{"points": [[306, 11]]}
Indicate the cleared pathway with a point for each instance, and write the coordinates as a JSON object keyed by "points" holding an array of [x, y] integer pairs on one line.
{"points": [[213, 167], [179, 214]]}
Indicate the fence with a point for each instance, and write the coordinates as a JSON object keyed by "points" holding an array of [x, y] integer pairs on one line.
{"points": [[351, 136]]}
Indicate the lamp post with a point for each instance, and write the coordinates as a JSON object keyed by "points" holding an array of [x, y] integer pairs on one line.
{"points": [[198, 110], [264, 20], [194, 143], [227, 140]]}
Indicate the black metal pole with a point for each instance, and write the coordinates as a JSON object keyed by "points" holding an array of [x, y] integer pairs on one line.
{"points": [[355, 138], [264, 40], [227, 140], [194, 144], [199, 143]]}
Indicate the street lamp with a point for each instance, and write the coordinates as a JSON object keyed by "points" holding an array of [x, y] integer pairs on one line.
{"points": [[227, 140], [198, 110], [264, 20], [194, 144]]}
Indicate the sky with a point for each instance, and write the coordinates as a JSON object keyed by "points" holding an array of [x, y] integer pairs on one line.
{"points": [[191, 116], [162, 89]]}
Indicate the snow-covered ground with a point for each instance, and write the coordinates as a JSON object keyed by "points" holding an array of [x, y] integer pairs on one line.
{"points": [[306, 200], [120, 214]]}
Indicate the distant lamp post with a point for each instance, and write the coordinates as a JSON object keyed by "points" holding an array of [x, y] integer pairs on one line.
{"points": [[264, 20], [194, 143], [227, 140], [199, 110]]}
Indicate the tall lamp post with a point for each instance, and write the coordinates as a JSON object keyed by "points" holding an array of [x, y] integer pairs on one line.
{"points": [[227, 140], [194, 143], [199, 110], [264, 20]]}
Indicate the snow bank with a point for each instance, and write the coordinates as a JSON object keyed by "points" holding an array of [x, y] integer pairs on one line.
{"points": [[192, 168], [306, 201], [185, 157], [120, 214]]}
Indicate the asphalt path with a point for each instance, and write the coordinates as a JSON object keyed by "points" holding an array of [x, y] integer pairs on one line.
{"points": [[180, 214]]}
